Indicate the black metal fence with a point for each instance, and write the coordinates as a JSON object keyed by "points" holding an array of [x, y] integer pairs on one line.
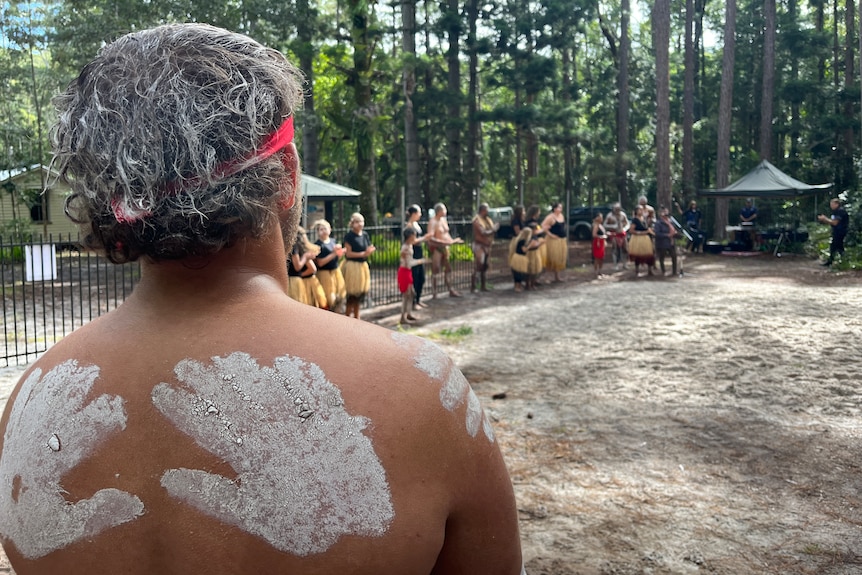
{"points": [[51, 286]]}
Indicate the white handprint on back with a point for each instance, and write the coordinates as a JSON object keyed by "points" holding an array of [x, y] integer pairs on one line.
{"points": [[50, 431], [306, 473], [454, 387]]}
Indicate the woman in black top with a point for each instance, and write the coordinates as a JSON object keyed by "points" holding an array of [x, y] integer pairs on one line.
{"points": [[557, 246], [414, 212], [517, 219], [640, 244], [357, 275], [328, 272]]}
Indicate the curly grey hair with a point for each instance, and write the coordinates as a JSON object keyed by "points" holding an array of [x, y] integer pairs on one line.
{"points": [[146, 129]]}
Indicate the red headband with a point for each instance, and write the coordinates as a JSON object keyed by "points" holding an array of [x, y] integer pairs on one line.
{"points": [[273, 143]]}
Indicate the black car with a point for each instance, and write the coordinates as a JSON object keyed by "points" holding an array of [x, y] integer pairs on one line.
{"points": [[581, 220]]}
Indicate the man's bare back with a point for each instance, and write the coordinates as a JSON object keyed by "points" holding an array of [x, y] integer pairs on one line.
{"points": [[213, 425], [266, 454]]}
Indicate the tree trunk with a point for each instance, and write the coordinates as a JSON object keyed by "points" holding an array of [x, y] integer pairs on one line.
{"points": [[474, 140], [768, 86], [364, 113], [310, 124], [688, 187], [848, 140], [411, 131], [519, 157], [722, 165], [568, 155], [661, 40], [794, 104], [453, 121], [622, 166], [429, 151], [532, 150]]}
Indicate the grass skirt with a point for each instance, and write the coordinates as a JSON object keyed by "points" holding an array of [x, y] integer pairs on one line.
{"points": [[519, 263], [641, 250], [332, 282], [557, 254], [534, 262], [357, 278], [296, 289], [543, 256], [314, 292]]}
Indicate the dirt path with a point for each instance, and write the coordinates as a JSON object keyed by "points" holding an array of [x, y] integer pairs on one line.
{"points": [[704, 424]]}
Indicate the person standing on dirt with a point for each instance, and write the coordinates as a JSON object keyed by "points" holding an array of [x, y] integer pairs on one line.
{"points": [[414, 213], [599, 241], [647, 210], [693, 223], [617, 224], [439, 242], [357, 273], [483, 238], [664, 239], [211, 424], [641, 249], [840, 222], [556, 242], [517, 221], [748, 219]]}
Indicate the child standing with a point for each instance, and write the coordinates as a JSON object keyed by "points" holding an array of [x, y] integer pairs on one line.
{"points": [[357, 275], [598, 244], [405, 274], [518, 261], [328, 272]]}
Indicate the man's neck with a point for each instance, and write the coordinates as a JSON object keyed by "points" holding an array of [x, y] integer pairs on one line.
{"points": [[250, 268]]}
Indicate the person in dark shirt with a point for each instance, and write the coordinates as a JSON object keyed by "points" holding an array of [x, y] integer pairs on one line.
{"points": [[664, 239], [747, 219], [693, 219], [840, 222]]}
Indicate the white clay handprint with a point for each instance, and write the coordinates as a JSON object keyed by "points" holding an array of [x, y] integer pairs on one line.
{"points": [[50, 431], [306, 474], [454, 387]]}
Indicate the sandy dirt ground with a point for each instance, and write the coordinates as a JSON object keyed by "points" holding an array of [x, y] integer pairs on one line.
{"points": [[708, 423]]}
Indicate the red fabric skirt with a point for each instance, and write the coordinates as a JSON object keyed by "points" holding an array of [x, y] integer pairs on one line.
{"points": [[405, 279], [599, 248]]}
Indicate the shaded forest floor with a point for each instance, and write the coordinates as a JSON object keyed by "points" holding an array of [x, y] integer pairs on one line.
{"points": [[658, 425], [703, 424]]}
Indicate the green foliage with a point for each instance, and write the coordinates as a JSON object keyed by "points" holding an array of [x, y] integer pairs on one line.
{"points": [[11, 254], [545, 69], [461, 253], [450, 335], [388, 252], [16, 230]]}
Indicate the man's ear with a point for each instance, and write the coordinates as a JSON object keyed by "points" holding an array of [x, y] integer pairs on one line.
{"points": [[290, 158]]}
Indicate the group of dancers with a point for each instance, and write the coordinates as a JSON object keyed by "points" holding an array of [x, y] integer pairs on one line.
{"points": [[537, 245], [648, 238], [319, 277]]}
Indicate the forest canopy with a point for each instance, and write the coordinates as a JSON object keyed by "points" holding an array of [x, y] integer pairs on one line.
{"points": [[508, 101]]}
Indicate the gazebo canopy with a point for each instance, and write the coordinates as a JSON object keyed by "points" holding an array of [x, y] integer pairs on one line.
{"points": [[316, 189], [765, 181]]}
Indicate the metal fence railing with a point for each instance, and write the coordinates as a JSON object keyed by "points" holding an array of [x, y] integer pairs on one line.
{"points": [[51, 286]]}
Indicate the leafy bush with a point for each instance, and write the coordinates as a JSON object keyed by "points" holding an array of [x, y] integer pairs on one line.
{"points": [[388, 251], [11, 254], [17, 230]]}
